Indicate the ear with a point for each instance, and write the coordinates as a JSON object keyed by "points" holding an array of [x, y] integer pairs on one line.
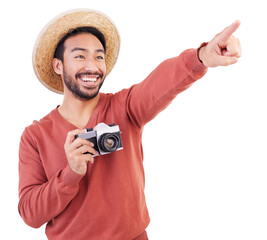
{"points": [[58, 66]]}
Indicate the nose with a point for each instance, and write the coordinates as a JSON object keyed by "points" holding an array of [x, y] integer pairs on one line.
{"points": [[91, 65]]}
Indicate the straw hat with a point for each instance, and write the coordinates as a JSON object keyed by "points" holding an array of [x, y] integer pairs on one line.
{"points": [[46, 43]]}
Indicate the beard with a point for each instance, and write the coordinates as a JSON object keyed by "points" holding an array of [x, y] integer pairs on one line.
{"points": [[77, 91]]}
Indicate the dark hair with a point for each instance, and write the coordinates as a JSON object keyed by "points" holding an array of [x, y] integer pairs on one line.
{"points": [[92, 30]]}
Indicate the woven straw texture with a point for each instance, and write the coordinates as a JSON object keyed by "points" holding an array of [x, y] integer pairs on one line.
{"points": [[46, 43]]}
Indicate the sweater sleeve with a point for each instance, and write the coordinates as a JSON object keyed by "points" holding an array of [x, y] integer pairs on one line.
{"points": [[40, 199], [146, 99]]}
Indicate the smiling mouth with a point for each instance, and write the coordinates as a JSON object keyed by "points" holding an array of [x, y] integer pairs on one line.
{"points": [[89, 78]]}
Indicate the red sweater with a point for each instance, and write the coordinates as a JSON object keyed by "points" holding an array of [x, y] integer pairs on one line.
{"points": [[108, 203]]}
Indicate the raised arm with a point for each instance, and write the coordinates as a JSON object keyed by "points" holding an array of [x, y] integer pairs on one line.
{"points": [[147, 99]]}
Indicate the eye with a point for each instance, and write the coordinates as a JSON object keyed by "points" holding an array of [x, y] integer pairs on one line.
{"points": [[100, 58], [80, 57]]}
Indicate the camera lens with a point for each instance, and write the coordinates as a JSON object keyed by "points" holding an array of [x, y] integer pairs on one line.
{"points": [[109, 142]]}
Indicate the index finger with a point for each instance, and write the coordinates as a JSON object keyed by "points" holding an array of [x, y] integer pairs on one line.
{"points": [[228, 31], [71, 135]]}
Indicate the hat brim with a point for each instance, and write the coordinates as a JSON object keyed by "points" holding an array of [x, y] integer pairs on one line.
{"points": [[55, 30]]}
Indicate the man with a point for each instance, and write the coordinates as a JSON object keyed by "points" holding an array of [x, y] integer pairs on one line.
{"points": [[92, 196]]}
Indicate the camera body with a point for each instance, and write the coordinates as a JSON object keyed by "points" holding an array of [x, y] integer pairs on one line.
{"points": [[106, 138]]}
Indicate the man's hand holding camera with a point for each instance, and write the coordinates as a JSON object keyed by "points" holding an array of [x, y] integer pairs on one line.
{"points": [[75, 149], [83, 144]]}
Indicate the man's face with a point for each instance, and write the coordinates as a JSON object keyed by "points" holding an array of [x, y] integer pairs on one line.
{"points": [[84, 65]]}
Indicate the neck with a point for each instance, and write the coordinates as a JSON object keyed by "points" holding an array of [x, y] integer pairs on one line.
{"points": [[77, 111]]}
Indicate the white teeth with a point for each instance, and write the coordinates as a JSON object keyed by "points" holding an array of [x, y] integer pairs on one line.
{"points": [[89, 79]]}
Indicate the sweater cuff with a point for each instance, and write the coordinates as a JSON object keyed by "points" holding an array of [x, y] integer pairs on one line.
{"points": [[192, 62], [202, 45], [70, 178]]}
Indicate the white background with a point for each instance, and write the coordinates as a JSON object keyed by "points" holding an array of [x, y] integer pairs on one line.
{"points": [[205, 155]]}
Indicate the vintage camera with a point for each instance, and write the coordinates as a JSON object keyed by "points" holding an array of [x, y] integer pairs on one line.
{"points": [[106, 138]]}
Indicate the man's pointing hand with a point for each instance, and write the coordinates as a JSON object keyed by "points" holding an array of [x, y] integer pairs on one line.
{"points": [[224, 49]]}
